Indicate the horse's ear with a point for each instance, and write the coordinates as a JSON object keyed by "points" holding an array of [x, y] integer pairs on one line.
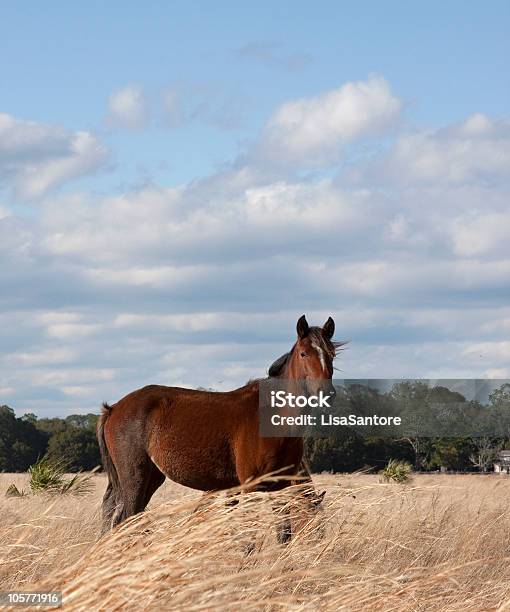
{"points": [[328, 329], [302, 327]]}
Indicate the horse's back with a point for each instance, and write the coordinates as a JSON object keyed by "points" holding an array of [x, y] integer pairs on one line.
{"points": [[180, 402]]}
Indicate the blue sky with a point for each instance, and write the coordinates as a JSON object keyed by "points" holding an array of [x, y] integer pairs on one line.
{"points": [[180, 181]]}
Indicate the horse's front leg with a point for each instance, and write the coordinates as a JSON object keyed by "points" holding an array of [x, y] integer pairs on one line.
{"points": [[284, 525]]}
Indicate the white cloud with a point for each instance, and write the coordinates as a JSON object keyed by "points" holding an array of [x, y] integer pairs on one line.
{"points": [[72, 331], [78, 391], [497, 373], [56, 317], [36, 158], [66, 326], [157, 276], [70, 376], [480, 233], [46, 356], [127, 107], [311, 130], [21, 139], [203, 321], [85, 155], [472, 152], [182, 226]]}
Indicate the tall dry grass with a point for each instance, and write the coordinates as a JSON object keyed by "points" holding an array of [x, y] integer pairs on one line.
{"points": [[439, 543]]}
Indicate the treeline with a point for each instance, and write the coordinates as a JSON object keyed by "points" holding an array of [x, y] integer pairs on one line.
{"points": [[434, 419], [355, 452], [423, 408], [25, 439]]}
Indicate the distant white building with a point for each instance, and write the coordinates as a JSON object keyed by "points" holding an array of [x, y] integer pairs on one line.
{"points": [[502, 464]]}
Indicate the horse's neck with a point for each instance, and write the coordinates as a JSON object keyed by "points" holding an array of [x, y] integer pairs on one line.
{"points": [[288, 371]]}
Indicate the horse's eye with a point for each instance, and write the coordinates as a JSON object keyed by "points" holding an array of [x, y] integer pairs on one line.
{"points": [[303, 354]]}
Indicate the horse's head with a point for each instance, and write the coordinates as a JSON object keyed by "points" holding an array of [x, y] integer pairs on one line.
{"points": [[311, 358]]}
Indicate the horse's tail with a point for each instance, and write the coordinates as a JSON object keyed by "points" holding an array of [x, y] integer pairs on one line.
{"points": [[106, 458]]}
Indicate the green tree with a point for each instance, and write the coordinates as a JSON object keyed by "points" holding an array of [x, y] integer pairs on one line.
{"points": [[501, 397], [7, 436], [30, 417], [378, 451], [451, 453], [51, 426], [20, 441], [22, 456], [77, 447], [410, 398], [337, 453], [83, 421]]}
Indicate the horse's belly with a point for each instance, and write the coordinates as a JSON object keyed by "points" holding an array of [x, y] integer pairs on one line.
{"points": [[203, 482], [205, 469]]}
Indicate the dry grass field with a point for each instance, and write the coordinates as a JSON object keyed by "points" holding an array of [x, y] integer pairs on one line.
{"points": [[439, 542]]}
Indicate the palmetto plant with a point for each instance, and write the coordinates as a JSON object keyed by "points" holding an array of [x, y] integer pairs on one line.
{"points": [[48, 475], [397, 471]]}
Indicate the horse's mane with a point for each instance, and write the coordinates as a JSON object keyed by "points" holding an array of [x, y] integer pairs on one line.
{"points": [[277, 366], [328, 346]]}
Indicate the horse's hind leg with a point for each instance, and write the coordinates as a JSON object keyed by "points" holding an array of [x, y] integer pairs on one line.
{"points": [[108, 508], [138, 481]]}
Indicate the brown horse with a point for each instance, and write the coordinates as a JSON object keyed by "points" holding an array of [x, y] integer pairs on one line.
{"points": [[205, 440]]}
